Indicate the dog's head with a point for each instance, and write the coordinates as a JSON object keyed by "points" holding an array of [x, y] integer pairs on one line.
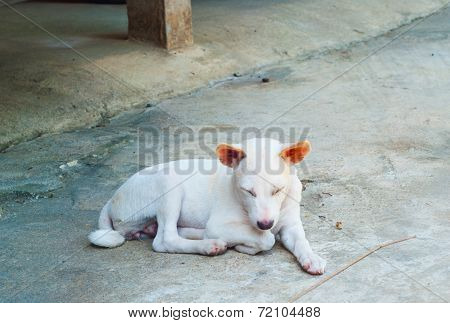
{"points": [[262, 175]]}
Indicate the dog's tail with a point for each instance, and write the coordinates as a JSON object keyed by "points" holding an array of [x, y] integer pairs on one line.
{"points": [[106, 236]]}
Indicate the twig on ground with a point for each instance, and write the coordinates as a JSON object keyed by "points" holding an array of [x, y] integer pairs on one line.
{"points": [[299, 295]]}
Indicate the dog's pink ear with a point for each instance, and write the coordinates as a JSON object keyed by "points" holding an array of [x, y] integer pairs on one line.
{"points": [[229, 156], [295, 153]]}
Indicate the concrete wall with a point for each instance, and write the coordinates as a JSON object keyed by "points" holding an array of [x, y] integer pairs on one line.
{"points": [[11, 2], [95, 1]]}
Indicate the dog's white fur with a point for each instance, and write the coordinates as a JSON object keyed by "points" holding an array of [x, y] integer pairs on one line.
{"points": [[206, 205]]}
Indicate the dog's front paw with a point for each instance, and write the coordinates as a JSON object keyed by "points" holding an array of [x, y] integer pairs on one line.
{"points": [[312, 263], [267, 241], [215, 247]]}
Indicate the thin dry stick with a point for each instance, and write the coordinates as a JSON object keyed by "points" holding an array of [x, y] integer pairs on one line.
{"points": [[324, 280]]}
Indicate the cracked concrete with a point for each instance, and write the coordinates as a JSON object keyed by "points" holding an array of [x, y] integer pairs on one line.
{"points": [[380, 165]]}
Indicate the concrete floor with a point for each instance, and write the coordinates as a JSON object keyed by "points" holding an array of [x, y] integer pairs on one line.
{"points": [[380, 165], [46, 87]]}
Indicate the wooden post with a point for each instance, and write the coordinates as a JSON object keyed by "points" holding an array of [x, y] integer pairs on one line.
{"points": [[166, 22]]}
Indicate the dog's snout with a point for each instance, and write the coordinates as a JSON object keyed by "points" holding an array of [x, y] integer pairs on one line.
{"points": [[265, 224]]}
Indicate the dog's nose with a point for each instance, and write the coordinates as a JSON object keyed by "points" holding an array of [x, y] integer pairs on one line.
{"points": [[265, 224]]}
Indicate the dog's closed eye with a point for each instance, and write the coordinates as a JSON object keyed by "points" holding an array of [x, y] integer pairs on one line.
{"points": [[277, 190], [251, 192]]}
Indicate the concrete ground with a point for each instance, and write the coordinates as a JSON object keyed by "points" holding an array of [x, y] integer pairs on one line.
{"points": [[377, 114], [46, 87]]}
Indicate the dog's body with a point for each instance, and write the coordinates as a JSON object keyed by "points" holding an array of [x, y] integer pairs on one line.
{"points": [[200, 206]]}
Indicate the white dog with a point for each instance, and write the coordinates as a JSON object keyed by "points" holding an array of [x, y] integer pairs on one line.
{"points": [[245, 199]]}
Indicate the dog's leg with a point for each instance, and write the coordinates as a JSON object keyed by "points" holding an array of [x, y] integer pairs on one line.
{"points": [[294, 239], [168, 240], [148, 231], [247, 250], [242, 236], [191, 233], [173, 243]]}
